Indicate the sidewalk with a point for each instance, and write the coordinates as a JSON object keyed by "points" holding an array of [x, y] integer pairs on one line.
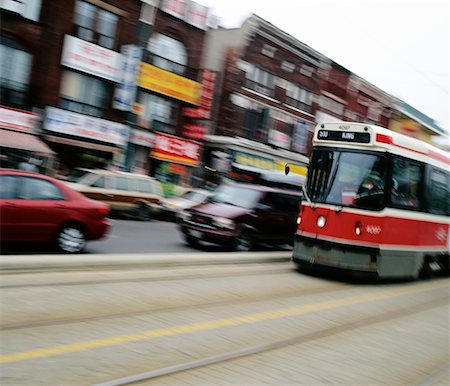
{"points": [[87, 262]]}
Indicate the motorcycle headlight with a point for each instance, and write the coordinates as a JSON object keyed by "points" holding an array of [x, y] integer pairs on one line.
{"points": [[223, 222]]}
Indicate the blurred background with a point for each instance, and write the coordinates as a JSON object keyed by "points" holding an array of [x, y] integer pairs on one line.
{"points": [[172, 90]]}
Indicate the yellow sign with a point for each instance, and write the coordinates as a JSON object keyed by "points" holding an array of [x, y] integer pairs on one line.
{"points": [[164, 82], [297, 169]]}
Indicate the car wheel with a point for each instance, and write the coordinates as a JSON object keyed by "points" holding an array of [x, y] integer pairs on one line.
{"points": [[191, 241], [243, 242], [71, 239], [143, 212]]}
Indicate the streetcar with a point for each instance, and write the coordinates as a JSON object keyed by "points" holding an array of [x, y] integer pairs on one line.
{"points": [[376, 203]]}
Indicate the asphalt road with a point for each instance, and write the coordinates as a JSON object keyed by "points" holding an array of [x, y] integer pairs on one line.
{"points": [[222, 324], [127, 236]]}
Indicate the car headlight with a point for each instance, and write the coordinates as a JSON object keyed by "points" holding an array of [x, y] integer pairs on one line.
{"points": [[223, 222], [170, 206]]}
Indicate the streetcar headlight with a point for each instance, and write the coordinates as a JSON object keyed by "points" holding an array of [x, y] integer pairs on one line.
{"points": [[358, 228], [223, 222], [299, 220], [321, 221]]}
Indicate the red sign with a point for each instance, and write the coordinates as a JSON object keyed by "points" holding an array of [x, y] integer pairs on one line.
{"points": [[197, 132], [174, 149], [18, 120], [203, 110]]}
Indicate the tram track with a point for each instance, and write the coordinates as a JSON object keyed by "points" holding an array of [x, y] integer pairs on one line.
{"points": [[159, 373], [156, 276], [282, 294]]}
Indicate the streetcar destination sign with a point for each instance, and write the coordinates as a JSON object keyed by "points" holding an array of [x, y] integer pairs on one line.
{"points": [[343, 136]]}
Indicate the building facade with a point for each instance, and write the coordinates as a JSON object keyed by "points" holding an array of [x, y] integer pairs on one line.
{"points": [[20, 45], [154, 87]]}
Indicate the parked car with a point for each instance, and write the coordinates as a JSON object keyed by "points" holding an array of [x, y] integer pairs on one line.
{"points": [[241, 216], [38, 208], [171, 207], [126, 193]]}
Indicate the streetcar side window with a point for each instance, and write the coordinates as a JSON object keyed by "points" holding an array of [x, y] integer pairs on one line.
{"points": [[439, 192], [406, 180]]}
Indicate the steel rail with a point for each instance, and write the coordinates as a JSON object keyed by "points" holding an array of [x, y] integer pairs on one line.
{"points": [[295, 340]]}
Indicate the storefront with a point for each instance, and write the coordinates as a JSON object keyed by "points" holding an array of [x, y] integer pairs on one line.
{"points": [[84, 141], [141, 142], [20, 144], [227, 157], [174, 160]]}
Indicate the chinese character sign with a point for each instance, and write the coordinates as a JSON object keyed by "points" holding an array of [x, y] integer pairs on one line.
{"points": [[174, 149]]}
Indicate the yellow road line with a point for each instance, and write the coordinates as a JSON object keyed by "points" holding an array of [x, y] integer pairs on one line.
{"points": [[234, 321]]}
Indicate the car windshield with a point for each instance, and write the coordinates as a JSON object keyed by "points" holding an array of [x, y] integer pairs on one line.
{"points": [[243, 197], [76, 175], [347, 178], [194, 196]]}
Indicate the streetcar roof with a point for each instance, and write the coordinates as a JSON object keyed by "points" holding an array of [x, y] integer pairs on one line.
{"points": [[368, 136]]}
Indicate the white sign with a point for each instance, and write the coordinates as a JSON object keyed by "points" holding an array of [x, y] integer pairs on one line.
{"points": [[280, 139], [79, 125], [125, 91], [143, 138], [90, 58], [17, 120], [187, 10], [197, 15]]}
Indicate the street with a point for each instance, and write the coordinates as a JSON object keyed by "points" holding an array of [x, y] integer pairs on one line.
{"points": [[250, 322], [127, 236], [141, 306]]}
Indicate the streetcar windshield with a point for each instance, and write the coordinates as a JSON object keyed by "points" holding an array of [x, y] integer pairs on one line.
{"points": [[347, 179]]}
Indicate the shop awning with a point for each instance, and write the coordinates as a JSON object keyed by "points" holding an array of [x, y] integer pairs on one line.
{"points": [[82, 144], [24, 141]]}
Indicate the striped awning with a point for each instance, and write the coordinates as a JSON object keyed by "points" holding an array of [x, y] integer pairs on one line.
{"points": [[23, 141]]}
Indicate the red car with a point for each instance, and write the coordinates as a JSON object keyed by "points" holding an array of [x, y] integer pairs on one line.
{"points": [[38, 208]]}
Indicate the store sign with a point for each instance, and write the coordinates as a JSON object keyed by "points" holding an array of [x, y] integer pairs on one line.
{"points": [[254, 161], [143, 138], [197, 132], [125, 91], [90, 58], [164, 82], [203, 110], [279, 139], [302, 138], [79, 125], [18, 120], [188, 11], [174, 149]]}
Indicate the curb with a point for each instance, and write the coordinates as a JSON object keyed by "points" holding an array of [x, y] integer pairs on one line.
{"points": [[13, 264]]}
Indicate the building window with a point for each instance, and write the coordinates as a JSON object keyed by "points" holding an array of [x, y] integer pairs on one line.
{"points": [[255, 124], [146, 20], [15, 66], [260, 81], [331, 105], [268, 51], [287, 66], [162, 113], [83, 93], [299, 97], [168, 53], [95, 24]]}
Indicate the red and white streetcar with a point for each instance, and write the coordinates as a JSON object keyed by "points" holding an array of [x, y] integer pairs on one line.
{"points": [[376, 202]]}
